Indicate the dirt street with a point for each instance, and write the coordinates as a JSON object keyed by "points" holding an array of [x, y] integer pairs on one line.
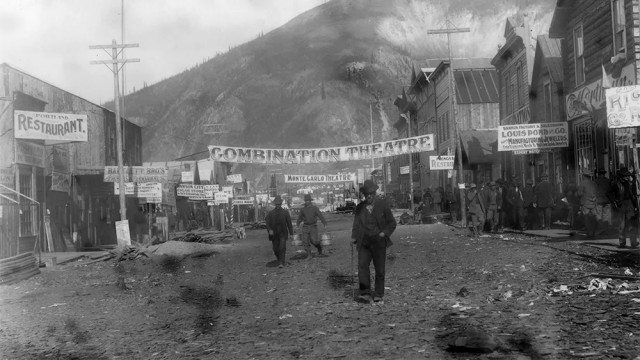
{"points": [[449, 296]]}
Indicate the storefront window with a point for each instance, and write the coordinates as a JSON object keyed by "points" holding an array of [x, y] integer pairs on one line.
{"points": [[26, 213], [584, 147]]}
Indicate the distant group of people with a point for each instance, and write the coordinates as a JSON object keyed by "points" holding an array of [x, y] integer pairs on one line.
{"points": [[499, 204]]}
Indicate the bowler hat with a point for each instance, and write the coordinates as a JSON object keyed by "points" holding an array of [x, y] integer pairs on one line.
{"points": [[307, 197], [277, 200], [369, 187]]}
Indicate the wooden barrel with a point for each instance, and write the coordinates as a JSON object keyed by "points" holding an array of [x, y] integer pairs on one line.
{"points": [[296, 240], [325, 239]]}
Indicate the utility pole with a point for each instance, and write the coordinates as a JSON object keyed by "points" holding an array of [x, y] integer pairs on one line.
{"points": [[453, 122], [115, 68], [407, 117], [373, 166]]}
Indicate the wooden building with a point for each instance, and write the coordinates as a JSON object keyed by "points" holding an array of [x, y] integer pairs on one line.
{"points": [[599, 42], [476, 108], [514, 63], [546, 99], [63, 203]]}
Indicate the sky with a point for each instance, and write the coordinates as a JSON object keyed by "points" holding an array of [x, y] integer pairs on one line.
{"points": [[50, 39]]}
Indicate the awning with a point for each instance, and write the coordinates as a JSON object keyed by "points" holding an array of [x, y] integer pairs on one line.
{"points": [[479, 146]]}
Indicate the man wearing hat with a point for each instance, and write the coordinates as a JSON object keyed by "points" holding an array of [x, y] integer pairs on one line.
{"points": [[494, 203], [308, 217], [587, 191], [544, 195], [279, 227], [373, 224], [626, 202], [476, 209]]}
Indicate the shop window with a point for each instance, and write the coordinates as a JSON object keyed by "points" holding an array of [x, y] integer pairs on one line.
{"points": [[26, 213], [578, 51], [619, 29], [584, 147]]}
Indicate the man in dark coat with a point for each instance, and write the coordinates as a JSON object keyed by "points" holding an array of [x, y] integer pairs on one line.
{"points": [[516, 200], [279, 227], [626, 202], [527, 204], [545, 201], [373, 224]]}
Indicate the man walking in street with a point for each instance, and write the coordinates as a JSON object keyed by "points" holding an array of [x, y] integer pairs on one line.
{"points": [[544, 201], [587, 191], [626, 202], [373, 225], [476, 209], [279, 227], [309, 216]]}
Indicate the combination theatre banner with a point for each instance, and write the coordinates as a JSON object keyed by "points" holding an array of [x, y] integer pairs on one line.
{"points": [[328, 178], [52, 127], [322, 155], [533, 137]]}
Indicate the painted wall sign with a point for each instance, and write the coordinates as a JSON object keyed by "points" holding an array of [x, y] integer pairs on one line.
{"points": [[592, 97], [322, 155], [326, 178], [533, 136], [50, 126], [29, 153], [444, 162]]}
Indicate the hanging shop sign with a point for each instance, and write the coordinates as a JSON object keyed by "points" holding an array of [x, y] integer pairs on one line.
{"points": [[441, 162], [52, 127], [197, 192], [187, 176], [623, 107], [60, 182], [625, 136], [140, 190], [322, 155], [138, 174], [234, 178], [404, 170], [536, 136], [248, 201], [324, 178]]}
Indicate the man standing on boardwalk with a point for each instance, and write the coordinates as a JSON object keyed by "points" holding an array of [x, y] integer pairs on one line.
{"points": [[279, 227], [373, 224], [544, 201], [309, 216]]}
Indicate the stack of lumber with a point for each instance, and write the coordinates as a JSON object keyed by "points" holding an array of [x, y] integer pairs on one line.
{"points": [[18, 268], [205, 236]]}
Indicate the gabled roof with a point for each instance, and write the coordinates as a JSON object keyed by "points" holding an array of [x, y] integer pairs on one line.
{"points": [[561, 16], [548, 54]]}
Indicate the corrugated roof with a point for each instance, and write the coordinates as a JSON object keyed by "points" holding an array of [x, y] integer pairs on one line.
{"points": [[476, 79], [476, 86]]}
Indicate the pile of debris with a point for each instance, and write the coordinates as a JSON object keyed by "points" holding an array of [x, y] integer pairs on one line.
{"points": [[260, 225], [205, 236], [18, 268]]}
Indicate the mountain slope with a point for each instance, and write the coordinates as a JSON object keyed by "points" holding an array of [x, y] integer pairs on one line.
{"points": [[309, 83]]}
